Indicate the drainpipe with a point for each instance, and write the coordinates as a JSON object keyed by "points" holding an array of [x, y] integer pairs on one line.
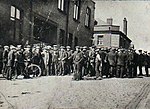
{"points": [[31, 20], [67, 22]]}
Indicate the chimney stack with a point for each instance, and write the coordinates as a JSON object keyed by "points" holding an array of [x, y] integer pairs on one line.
{"points": [[125, 26], [110, 21]]}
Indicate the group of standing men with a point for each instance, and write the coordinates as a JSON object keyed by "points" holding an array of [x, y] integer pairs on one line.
{"points": [[81, 62]]}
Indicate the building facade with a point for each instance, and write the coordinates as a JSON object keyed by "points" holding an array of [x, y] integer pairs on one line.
{"points": [[62, 22], [109, 35]]}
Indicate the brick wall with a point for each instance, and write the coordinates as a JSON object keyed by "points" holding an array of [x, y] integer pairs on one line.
{"points": [[47, 12]]}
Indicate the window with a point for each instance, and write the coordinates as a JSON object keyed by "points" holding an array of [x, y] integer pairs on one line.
{"points": [[100, 40], [16, 18], [15, 13], [88, 17], [76, 14], [62, 5]]}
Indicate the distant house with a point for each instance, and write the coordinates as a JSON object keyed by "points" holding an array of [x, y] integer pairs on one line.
{"points": [[62, 22], [108, 35]]}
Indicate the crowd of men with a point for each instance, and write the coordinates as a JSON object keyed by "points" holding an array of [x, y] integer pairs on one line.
{"points": [[81, 62]]}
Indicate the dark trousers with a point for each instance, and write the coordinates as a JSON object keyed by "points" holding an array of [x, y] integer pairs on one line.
{"points": [[20, 68], [131, 71], [146, 70], [55, 68], [111, 70], [77, 71], [62, 68], [92, 69], [98, 69], [120, 71], [140, 70], [1, 67], [135, 71], [84, 69]]}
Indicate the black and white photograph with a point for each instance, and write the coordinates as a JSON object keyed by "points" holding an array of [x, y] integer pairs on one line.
{"points": [[74, 54]]}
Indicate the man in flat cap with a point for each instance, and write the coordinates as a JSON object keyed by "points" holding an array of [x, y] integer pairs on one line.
{"points": [[146, 62], [11, 62], [55, 61], [85, 61], [5, 59], [62, 60], [69, 60], [140, 62], [111, 57], [92, 56], [121, 63], [77, 60]]}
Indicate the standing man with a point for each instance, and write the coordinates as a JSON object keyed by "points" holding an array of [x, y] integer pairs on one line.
{"points": [[85, 61], [46, 57], [5, 59], [135, 61], [111, 58], [140, 62], [62, 58], [55, 61], [105, 65], [146, 59], [11, 62], [92, 56], [98, 65], [121, 62], [19, 56], [69, 60], [77, 60]]}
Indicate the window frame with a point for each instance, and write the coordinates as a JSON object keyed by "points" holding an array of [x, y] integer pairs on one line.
{"points": [[62, 6], [88, 17], [76, 10], [100, 40]]}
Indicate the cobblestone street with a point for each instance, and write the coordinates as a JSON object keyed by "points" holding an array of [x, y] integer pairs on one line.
{"points": [[63, 93]]}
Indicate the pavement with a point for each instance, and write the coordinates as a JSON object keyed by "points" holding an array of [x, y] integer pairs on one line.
{"points": [[61, 92]]}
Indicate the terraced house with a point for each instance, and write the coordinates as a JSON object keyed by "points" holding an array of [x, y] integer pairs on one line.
{"points": [[62, 22]]}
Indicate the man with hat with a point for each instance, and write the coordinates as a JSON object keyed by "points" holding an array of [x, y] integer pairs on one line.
{"points": [[11, 62], [55, 56], [77, 60], [62, 60], [69, 60], [146, 62], [111, 57], [140, 62], [19, 59], [121, 63], [5, 59], [46, 59], [98, 65], [92, 56], [85, 61]]}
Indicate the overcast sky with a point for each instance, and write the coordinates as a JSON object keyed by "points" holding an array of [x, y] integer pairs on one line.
{"points": [[137, 14]]}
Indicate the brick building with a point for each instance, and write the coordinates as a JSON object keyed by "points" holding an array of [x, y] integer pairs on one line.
{"points": [[62, 22], [108, 35]]}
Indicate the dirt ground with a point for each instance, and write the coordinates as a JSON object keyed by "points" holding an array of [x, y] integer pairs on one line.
{"points": [[63, 93]]}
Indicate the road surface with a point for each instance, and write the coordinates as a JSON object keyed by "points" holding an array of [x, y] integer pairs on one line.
{"points": [[62, 93]]}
